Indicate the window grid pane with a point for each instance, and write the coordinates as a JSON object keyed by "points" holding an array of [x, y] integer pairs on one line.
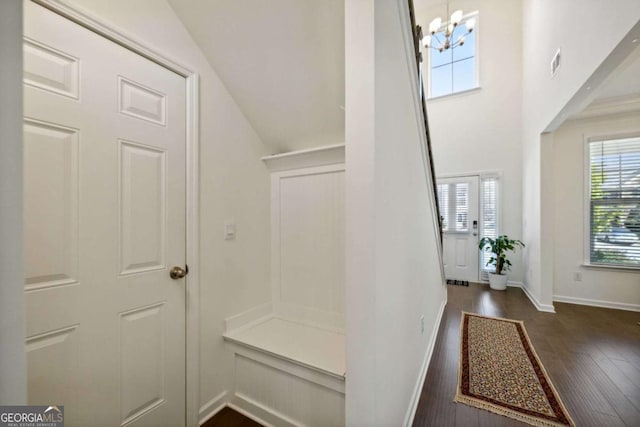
{"points": [[441, 83], [614, 168], [468, 48], [464, 76]]}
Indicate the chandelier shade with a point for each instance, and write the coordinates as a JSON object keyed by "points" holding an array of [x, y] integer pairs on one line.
{"points": [[441, 34]]}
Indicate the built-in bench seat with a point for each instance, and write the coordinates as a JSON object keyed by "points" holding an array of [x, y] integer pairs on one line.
{"points": [[288, 373], [313, 347]]}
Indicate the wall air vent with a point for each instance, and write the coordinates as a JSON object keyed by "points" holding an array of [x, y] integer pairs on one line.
{"points": [[555, 63]]}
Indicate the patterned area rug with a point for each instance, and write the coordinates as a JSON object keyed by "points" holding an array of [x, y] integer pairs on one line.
{"points": [[500, 371]]}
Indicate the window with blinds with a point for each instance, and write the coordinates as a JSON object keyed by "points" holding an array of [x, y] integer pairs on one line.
{"points": [[454, 206], [462, 206], [489, 219], [443, 199], [614, 205]]}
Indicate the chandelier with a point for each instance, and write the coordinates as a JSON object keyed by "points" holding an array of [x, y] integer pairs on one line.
{"points": [[435, 42]]}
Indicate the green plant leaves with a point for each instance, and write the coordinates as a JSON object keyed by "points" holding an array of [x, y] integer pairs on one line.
{"points": [[499, 247]]}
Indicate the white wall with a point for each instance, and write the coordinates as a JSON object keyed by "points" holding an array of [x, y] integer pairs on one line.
{"points": [[13, 374], [393, 266], [482, 130], [234, 185], [586, 31], [616, 287]]}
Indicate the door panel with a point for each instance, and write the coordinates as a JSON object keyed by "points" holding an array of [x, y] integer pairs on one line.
{"points": [[104, 222], [459, 207]]}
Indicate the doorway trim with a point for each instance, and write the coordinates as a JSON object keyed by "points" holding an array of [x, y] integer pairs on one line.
{"points": [[192, 80]]}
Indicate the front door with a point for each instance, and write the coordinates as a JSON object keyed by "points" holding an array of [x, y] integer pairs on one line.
{"points": [[458, 199], [104, 194]]}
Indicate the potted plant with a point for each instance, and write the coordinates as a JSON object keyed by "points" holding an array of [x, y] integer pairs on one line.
{"points": [[499, 248]]}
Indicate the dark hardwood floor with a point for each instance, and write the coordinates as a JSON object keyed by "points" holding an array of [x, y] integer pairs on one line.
{"points": [[227, 417], [591, 354]]}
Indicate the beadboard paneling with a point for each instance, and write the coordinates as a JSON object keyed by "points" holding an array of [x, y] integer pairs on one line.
{"points": [[308, 229]]}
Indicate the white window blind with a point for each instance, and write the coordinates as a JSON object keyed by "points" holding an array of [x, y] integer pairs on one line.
{"points": [[454, 206], [443, 199], [614, 177], [462, 206], [489, 219]]}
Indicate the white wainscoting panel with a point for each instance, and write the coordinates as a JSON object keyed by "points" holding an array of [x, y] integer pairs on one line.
{"points": [[277, 392], [308, 241]]}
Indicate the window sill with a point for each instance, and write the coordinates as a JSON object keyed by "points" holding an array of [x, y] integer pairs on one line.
{"points": [[620, 268], [455, 95]]}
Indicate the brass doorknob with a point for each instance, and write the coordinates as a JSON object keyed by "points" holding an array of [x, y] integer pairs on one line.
{"points": [[178, 272]]}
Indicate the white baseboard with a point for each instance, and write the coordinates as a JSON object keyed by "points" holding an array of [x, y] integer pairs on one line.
{"points": [[212, 407], [260, 413], [413, 406], [597, 303], [541, 307]]}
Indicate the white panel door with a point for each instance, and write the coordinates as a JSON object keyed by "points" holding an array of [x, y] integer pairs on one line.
{"points": [[104, 158], [459, 207]]}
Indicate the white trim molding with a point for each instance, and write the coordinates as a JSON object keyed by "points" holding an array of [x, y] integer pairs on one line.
{"points": [[212, 407], [320, 156], [120, 37], [548, 308], [597, 303], [417, 391], [248, 318], [268, 417]]}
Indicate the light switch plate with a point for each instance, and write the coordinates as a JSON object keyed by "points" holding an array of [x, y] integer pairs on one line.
{"points": [[229, 230]]}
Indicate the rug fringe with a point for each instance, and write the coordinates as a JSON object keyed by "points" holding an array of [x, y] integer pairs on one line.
{"points": [[534, 421]]}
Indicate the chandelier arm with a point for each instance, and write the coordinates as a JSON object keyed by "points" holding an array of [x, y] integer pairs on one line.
{"points": [[440, 42], [437, 38]]}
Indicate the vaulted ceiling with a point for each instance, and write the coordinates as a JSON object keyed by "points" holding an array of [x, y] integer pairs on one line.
{"points": [[281, 60]]}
